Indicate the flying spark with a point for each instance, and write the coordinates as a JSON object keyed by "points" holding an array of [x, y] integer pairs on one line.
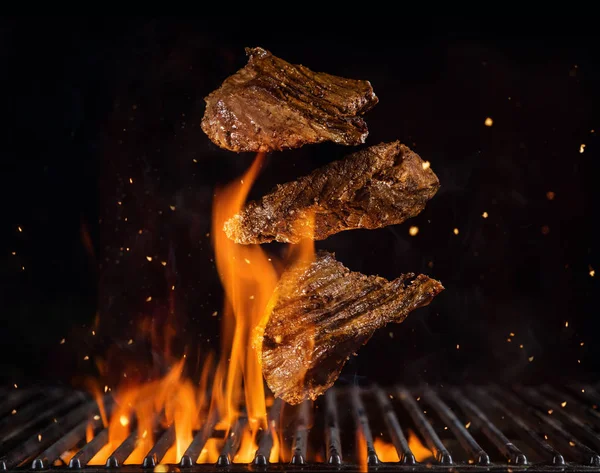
{"points": [[426, 164], [124, 420], [13, 412], [164, 263], [148, 299], [172, 207], [550, 195], [455, 231], [39, 437], [592, 272], [130, 181], [550, 411], [485, 215], [531, 359], [563, 404], [412, 231], [20, 229], [62, 342], [468, 425], [130, 342], [581, 148], [149, 258], [86, 357], [488, 121], [96, 417], [567, 323]]}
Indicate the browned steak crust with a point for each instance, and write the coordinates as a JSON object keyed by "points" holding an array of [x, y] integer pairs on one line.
{"points": [[378, 186], [271, 105], [324, 313]]}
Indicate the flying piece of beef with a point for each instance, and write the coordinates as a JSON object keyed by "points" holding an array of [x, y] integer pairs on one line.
{"points": [[271, 105], [323, 312], [372, 188]]}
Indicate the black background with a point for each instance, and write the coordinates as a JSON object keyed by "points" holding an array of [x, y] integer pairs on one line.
{"points": [[89, 104]]}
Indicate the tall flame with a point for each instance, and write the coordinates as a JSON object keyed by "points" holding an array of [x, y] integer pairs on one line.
{"points": [[249, 278], [171, 401]]}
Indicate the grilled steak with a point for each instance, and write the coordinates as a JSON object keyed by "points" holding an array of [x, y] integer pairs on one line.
{"points": [[322, 314], [271, 105], [378, 186]]}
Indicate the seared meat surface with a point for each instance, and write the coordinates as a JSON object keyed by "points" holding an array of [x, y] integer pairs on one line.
{"points": [[372, 188], [271, 105], [322, 314]]}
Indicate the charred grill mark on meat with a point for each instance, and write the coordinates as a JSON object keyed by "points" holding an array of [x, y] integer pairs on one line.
{"points": [[372, 188], [323, 312], [271, 105]]}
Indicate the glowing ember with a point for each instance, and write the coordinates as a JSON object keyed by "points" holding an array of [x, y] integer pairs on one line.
{"points": [[412, 231], [581, 148], [550, 195], [385, 451], [455, 231], [592, 272], [149, 258], [531, 359], [124, 420], [563, 404], [484, 215], [488, 121], [426, 164]]}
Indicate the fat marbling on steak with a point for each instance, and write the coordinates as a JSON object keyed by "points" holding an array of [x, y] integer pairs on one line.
{"points": [[271, 105], [372, 188], [322, 313]]}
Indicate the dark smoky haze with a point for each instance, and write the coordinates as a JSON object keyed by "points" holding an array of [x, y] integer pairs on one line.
{"points": [[108, 183]]}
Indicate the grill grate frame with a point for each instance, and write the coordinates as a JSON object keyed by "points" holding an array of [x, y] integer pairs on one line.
{"points": [[521, 428]]}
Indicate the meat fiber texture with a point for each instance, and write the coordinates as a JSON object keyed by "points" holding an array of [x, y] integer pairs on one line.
{"points": [[372, 188], [271, 105], [321, 314]]}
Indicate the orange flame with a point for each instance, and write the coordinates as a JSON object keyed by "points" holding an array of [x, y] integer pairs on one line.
{"points": [[420, 451], [145, 403], [245, 453], [210, 451], [386, 452]]}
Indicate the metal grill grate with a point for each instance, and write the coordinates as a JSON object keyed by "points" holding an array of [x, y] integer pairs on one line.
{"points": [[473, 428]]}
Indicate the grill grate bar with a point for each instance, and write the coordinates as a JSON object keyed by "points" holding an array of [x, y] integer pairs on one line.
{"points": [[232, 444], [455, 425], [362, 423], [190, 456], [583, 430], [299, 444], [585, 454], [16, 399], [46, 437], [391, 421], [433, 441], [26, 414], [493, 433], [572, 403], [69, 440], [67, 403], [263, 453], [118, 457], [157, 452], [89, 450], [333, 444], [524, 429]]}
